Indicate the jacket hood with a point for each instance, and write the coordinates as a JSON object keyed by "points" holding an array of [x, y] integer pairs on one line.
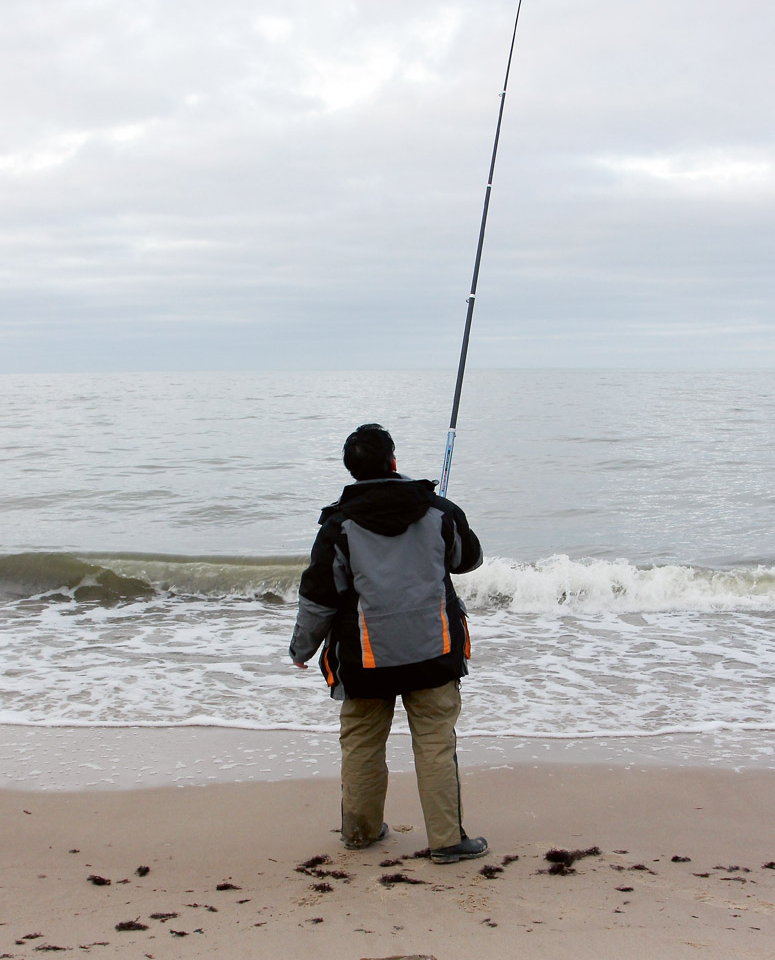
{"points": [[386, 507]]}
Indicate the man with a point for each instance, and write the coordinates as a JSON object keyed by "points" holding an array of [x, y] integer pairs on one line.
{"points": [[378, 592]]}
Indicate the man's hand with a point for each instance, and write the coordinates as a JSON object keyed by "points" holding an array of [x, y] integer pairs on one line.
{"points": [[301, 666]]}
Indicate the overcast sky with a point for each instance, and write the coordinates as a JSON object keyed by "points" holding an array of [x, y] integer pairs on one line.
{"points": [[296, 183]]}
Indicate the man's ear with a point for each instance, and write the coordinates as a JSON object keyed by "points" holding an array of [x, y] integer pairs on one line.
{"points": [[393, 465]]}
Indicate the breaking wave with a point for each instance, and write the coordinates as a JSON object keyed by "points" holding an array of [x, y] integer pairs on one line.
{"points": [[561, 585], [557, 584], [113, 578]]}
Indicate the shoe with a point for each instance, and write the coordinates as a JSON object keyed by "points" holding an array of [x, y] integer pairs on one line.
{"points": [[362, 844], [467, 849]]}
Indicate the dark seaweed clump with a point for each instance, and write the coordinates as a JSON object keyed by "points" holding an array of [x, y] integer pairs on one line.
{"points": [[312, 866], [562, 860], [98, 881], [314, 862], [389, 879], [570, 856]]}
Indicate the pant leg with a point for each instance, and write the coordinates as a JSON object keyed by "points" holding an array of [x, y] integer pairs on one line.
{"points": [[364, 728], [432, 715]]}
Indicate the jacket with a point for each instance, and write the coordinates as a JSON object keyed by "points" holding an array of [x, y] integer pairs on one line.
{"points": [[378, 594]]}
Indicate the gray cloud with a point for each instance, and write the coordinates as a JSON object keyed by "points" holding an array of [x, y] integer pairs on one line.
{"points": [[301, 184]]}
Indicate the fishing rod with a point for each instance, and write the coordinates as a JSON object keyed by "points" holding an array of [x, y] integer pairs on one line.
{"points": [[472, 295]]}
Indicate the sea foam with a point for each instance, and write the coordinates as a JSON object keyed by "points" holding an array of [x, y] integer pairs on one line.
{"points": [[561, 585]]}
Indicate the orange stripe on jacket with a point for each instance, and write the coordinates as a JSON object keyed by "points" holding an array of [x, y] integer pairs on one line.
{"points": [[445, 629], [368, 653], [329, 674]]}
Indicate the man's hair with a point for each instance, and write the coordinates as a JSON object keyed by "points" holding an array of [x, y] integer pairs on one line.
{"points": [[368, 452]]}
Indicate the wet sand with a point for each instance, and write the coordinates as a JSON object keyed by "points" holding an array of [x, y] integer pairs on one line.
{"points": [[680, 862]]}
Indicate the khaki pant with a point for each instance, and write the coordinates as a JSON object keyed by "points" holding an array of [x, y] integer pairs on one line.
{"points": [[365, 725]]}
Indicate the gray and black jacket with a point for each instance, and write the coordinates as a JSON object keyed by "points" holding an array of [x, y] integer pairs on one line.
{"points": [[378, 590]]}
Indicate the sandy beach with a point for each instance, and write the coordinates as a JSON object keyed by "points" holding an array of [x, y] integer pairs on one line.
{"points": [[678, 863]]}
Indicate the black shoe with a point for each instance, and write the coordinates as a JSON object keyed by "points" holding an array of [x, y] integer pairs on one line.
{"points": [[362, 844], [465, 850]]}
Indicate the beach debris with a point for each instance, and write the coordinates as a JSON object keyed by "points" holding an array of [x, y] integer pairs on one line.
{"points": [[488, 922], [490, 872], [625, 889], [227, 885], [704, 875], [178, 933], [570, 856], [29, 936], [414, 956], [98, 881], [49, 948], [322, 887], [769, 866], [392, 863], [424, 854], [164, 917], [559, 870], [128, 925], [204, 906], [390, 879], [73, 851], [643, 868], [733, 869], [142, 871], [315, 920], [562, 860], [314, 862], [509, 858], [312, 866], [678, 859]]}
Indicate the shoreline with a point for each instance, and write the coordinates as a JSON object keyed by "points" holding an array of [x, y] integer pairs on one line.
{"points": [[684, 864], [126, 758]]}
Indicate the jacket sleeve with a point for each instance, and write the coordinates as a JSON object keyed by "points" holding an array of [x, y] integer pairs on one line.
{"points": [[318, 597], [466, 551]]}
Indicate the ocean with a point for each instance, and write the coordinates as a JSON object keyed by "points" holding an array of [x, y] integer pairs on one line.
{"points": [[155, 528]]}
